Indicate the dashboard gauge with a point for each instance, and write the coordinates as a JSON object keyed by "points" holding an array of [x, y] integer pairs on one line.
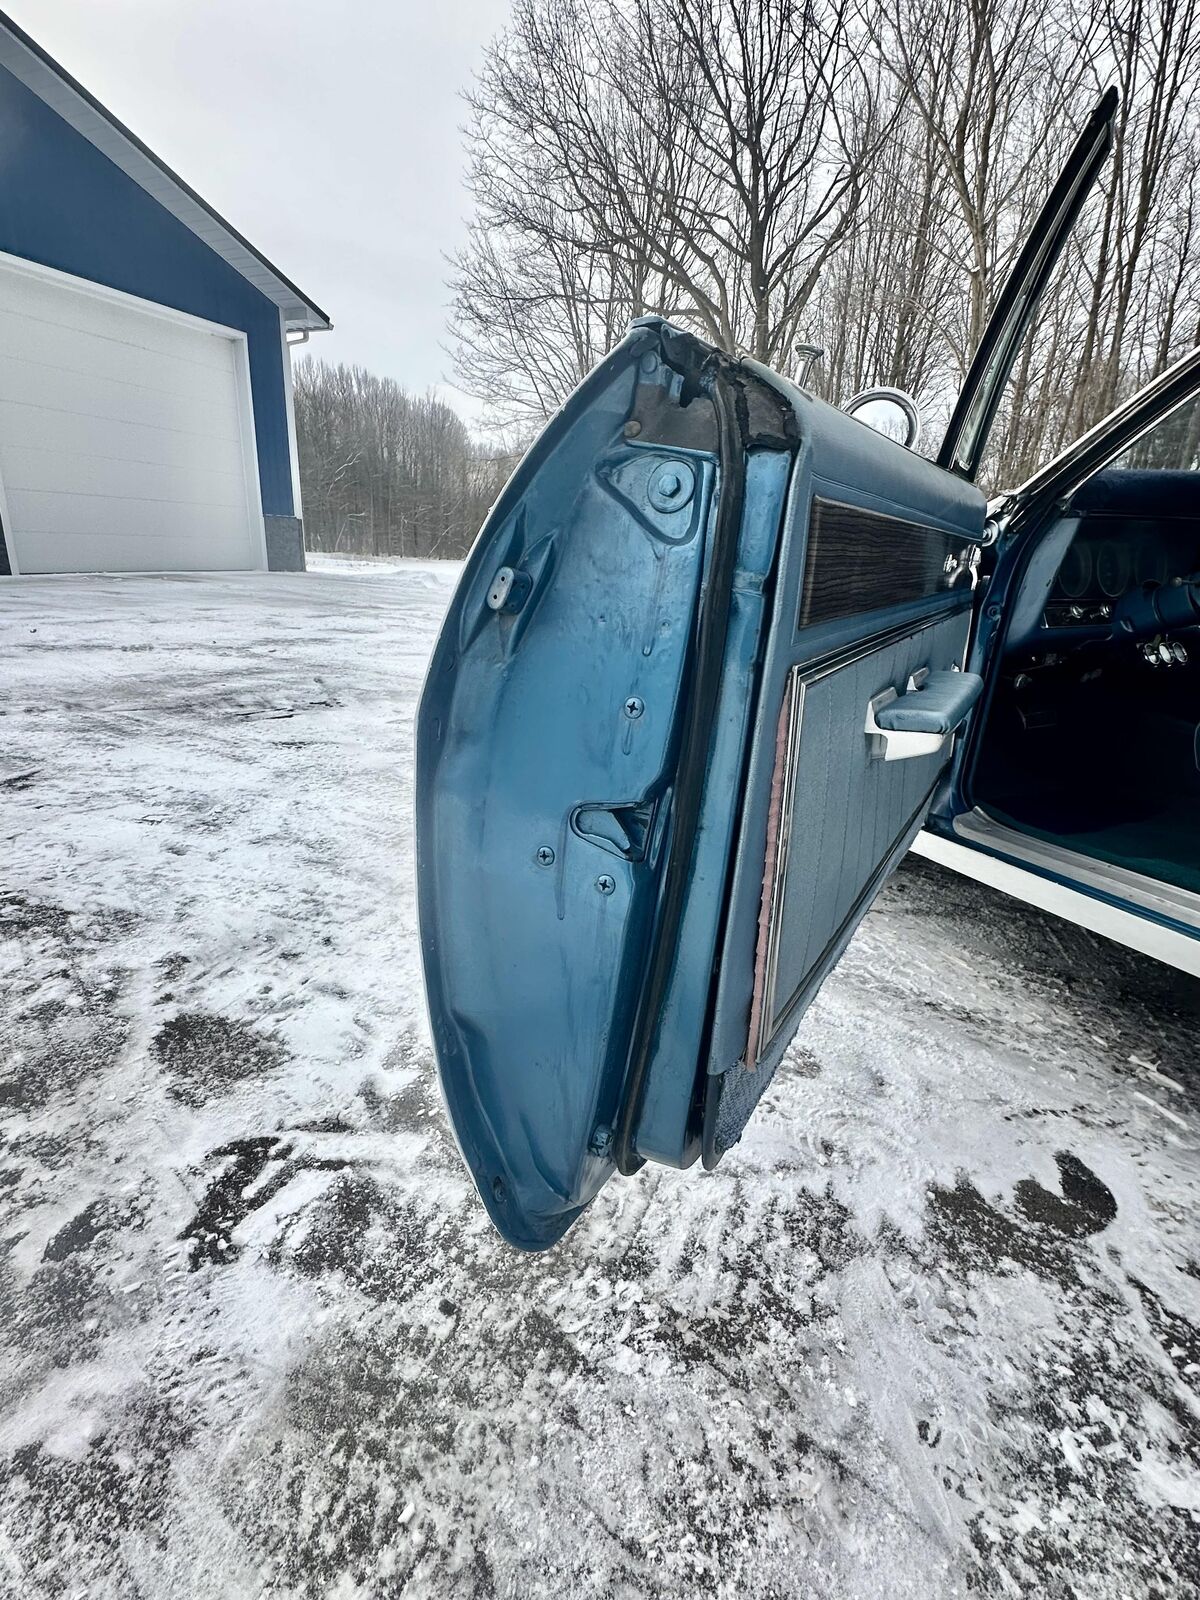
{"points": [[1150, 565], [1075, 574], [1112, 568]]}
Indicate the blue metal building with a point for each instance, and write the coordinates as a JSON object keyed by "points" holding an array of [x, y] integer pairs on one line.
{"points": [[146, 416]]}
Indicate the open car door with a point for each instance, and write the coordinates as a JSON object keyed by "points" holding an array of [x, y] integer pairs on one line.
{"points": [[688, 709]]}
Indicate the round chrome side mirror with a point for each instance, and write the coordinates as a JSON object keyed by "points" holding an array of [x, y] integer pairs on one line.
{"points": [[890, 412]]}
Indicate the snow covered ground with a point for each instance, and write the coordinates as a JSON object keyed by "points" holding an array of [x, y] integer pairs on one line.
{"points": [[932, 1329]]}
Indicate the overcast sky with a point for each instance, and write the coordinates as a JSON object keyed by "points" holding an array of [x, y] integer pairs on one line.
{"points": [[327, 133]]}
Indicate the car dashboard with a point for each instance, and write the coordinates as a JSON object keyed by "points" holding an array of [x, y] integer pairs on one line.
{"points": [[1108, 557], [1125, 531]]}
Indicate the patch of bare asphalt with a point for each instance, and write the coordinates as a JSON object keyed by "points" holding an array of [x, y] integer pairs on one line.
{"points": [[173, 966], [423, 1401], [18, 781], [205, 1055], [68, 1305], [22, 917], [360, 1229], [1073, 1440], [252, 1172], [82, 1230], [121, 1483], [60, 1024], [1116, 997], [58, 1051], [972, 1234], [1074, 1446], [1178, 1338]]}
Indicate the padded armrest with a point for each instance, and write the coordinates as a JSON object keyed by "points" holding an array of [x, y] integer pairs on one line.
{"points": [[940, 705]]}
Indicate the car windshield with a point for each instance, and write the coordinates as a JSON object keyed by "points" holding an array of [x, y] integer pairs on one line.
{"points": [[1171, 445]]}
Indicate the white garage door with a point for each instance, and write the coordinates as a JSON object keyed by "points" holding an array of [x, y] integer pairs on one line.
{"points": [[126, 436]]}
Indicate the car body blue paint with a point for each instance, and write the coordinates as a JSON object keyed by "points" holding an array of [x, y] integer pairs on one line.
{"points": [[531, 969], [540, 934], [65, 205], [622, 920]]}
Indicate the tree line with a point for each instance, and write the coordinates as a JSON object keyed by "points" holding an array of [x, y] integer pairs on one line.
{"points": [[851, 174], [387, 473]]}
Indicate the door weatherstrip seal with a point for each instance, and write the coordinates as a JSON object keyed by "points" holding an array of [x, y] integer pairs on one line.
{"points": [[691, 766]]}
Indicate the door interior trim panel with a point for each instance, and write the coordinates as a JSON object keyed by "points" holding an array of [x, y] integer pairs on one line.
{"points": [[845, 815], [818, 779], [860, 561]]}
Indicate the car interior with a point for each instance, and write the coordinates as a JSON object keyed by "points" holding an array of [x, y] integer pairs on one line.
{"points": [[1091, 740]]}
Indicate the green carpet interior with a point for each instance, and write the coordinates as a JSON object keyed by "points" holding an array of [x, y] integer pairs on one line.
{"points": [[1162, 843]]}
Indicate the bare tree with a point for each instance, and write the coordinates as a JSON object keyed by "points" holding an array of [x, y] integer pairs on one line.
{"points": [[892, 292], [699, 158], [854, 173], [1000, 89], [384, 472]]}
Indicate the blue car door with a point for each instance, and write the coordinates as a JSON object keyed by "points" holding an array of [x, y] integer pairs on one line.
{"points": [[689, 706]]}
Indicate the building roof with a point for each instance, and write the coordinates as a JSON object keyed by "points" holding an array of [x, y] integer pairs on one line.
{"points": [[26, 60]]}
